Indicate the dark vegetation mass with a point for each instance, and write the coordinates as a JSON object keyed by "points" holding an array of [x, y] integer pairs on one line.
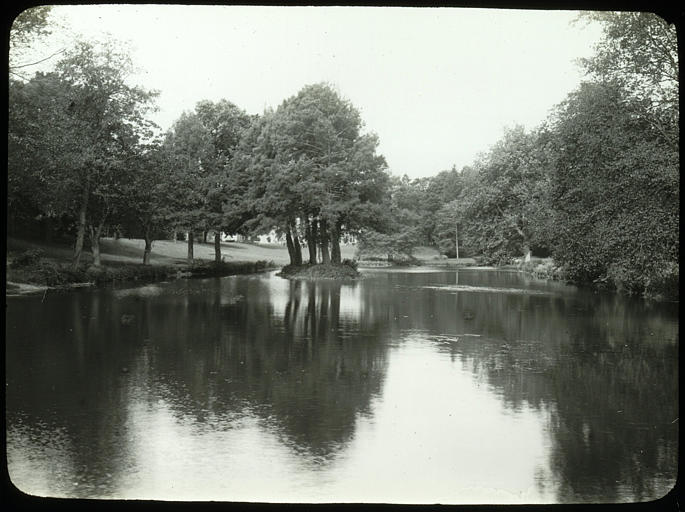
{"points": [[595, 187]]}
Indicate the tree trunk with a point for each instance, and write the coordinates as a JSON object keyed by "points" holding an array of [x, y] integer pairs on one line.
{"points": [[335, 243], [456, 241], [311, 240], [95, 249], [291, 247], [323, 241], [526, 252], [148, 247], [81, 229], [204, 237], [95, 234], [191, 239], [298, 248], [217, 246]]}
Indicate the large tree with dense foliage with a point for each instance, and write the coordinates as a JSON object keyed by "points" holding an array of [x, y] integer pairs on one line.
{"points": [[202, 144], [72, 133], [616, 174], [615, 190], [315, 175], [639, 51], [107, 117], [502, 210], [39, 147]]}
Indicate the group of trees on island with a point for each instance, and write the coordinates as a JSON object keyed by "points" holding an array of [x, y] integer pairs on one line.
{"points": [[596, 186]]}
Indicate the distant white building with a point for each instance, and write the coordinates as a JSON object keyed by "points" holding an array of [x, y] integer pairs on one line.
{"points": [[225, 237], [271, 238]]}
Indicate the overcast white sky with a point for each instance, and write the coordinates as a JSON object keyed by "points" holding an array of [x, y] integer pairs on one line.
{"points": [[438, 85]]}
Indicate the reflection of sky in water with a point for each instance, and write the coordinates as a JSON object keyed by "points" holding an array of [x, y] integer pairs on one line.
{"points": [[425, 442], [27, 465], [351, 304], [279, 292]]}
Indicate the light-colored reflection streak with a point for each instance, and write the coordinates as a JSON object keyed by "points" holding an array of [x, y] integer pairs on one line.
{"points": [[437, 436], [180, 459], [26, 462], [486, 289]]}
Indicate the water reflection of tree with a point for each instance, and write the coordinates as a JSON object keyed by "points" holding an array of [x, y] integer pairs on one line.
{"points": [[603, 367], [65, 362], [302, 368]]}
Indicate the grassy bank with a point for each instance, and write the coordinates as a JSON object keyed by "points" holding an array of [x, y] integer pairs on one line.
{"points": [[54, 274], [164, 252], [32, 266]]}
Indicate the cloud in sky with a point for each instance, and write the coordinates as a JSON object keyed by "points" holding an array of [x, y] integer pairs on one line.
{"points": [[438, 85]]}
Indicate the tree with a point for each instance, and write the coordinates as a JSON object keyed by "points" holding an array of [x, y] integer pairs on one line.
{"points": [[504, 207], [616, 191], [269, 183], [107, 118], [397, 222], [148, 194], [446, 228], [314, 174], [203, 143], [39, 148], [224, 124], [639, 51], [441, 189], [315, 132], [188, 146]]}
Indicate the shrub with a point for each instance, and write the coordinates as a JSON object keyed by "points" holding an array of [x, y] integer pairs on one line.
{"points": [[319, 271], [53, 274], [350, 263], [27, 258], [658, 279], [664, 281]]}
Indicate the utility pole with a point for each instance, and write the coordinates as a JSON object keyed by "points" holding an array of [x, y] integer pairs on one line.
{"points": [[456, 240]]}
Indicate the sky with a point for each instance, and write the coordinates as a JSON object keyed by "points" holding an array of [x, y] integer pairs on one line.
{"points": [[437, 85]]}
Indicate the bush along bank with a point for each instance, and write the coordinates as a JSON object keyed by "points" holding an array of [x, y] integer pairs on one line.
{"points": [[345, 270], [544, 269], [32, 268], [661, 282]]}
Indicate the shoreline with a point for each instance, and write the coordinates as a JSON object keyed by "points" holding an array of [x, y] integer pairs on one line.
{"points": [[60, 277], [104, 275]]}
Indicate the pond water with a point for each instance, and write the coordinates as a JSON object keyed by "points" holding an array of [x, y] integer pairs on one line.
{"points": [[422, 386]]}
